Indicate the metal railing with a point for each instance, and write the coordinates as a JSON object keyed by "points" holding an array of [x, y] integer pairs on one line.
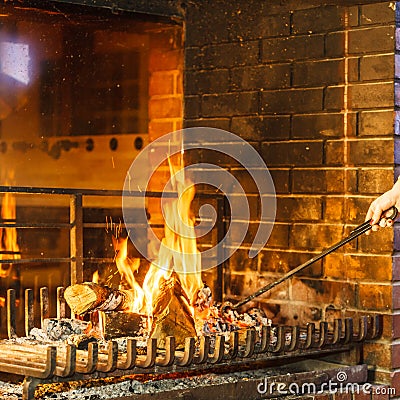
{"points": [[76, 226]]}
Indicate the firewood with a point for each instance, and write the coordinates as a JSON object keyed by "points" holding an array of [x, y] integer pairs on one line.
{"points": [[122, 323], [81, 341], [89, 296], [171, 314]]}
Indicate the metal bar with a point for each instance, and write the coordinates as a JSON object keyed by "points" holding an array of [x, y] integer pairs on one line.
{"points": [[29, 316], [310, 335], [250, 343], [219, 288], [264, 340], [219, 350], [130, 355], [34, 370], [98, 192], [11, 314], [112, 358], [61, 303], [204, 349], [188, 352], [294, 338], [91, 361], [169, 357], [35, 225], [70, 362], [36, 260], [234, 343], [76, 238], [44, 305], [151, 354], [280, 340]]}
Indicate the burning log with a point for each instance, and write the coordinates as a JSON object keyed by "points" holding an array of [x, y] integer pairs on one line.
{"points": [[119, 323], [90, 296], [171, 313]]}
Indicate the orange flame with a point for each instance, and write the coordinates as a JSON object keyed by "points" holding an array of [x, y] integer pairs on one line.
{"points": [[8, 236], [178, 251]]}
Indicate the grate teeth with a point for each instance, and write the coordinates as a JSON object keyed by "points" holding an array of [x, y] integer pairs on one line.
{"points": [[269, 343]]}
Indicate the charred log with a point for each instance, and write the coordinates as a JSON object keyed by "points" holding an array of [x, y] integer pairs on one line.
{"points": [[90, 296], [171, 313]]}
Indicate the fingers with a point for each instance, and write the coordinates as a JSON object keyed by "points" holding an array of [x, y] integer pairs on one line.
{"points": [[377, 215]]}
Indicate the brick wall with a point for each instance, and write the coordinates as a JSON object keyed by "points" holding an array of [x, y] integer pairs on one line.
{"points": [[165, 97], [312, 89]]}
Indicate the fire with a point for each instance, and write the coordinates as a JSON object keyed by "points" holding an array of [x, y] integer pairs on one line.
{"points": [[9, 248], [178, 251]]}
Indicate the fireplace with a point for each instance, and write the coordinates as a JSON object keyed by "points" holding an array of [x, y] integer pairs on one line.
{"points": [[311, 86]]}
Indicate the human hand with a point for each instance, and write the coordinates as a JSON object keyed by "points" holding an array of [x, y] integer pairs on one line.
{"points": [[376, 212]]}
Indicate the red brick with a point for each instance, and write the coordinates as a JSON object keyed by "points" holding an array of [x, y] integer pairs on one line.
{"points": [[231, 104], [380, 242], [281, 179], [228, 55], [292, 153], [214, 81], [159, 128], [376, 353], [356, 209], [318, 73], [361, 396], [168, 107], [396, 267], [165, 60], [291, 313], [334, 152], [396, 296], [375, 296], [376, 123], [192, 107], [379, 392], [376, 67], [342, 396], [298, 209], [321, 19], [376, 14], [371, 95], [275, 76], [262, 127], [375, 181], [246, 284], [377, 39], [317, 181], [280, 262], [339, 294], [368, 152], [295, 47], [334, 208], [362, 267], [325, 125], [291, 100], [161, 83]]}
